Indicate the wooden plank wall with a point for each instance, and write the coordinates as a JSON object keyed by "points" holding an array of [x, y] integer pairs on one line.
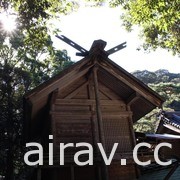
{"points": [[74, 118]]}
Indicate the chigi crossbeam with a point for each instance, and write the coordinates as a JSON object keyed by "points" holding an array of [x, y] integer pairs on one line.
{"points": [[84, 52]]}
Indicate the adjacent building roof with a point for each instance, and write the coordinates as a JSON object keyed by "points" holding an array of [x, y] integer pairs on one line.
{"points": [[169, 122], [162, 136], [158, 174]]}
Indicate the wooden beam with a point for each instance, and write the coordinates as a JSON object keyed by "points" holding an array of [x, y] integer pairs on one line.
{"points": [[93, 116], [169, 126], [87, 102], [60, 83], [108, 92], [76, 91], [99, 119], [132, 98], [87, 114], [74, 102], [72, 113], [132, 134], [73, 44], [134, 85], [98, 108]]}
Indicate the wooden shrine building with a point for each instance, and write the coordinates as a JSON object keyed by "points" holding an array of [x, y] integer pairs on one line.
{"points": [[93, 101]]}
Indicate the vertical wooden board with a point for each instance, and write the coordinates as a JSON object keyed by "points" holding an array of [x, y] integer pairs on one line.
{"points": [[124, 144], [119, 172], [53, 129], [85, 173], [63, 173], [132, 133], [50, 174]]}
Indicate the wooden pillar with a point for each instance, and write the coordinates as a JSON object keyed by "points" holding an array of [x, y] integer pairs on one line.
{"points": [[99, 120], [55, 173], [99, 173], [93, 115], [72, 173], [98, 108], [130, 122], [39, 174], [53, 125], [133, 139]]}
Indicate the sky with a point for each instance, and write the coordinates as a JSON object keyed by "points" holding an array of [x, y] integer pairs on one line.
{"points": [[93, 23]]}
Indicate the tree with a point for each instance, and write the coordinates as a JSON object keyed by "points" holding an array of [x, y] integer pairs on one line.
{"points": [[158, 20], [27, 58], [147, 124], [21, 69], [11, 88], [167, 85], [33, 17]]}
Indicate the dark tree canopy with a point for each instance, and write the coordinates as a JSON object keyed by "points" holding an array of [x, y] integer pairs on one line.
{"points": [[27, 58]]}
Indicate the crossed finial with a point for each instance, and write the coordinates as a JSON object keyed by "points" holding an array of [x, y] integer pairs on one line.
{"points": [[100, 44]]}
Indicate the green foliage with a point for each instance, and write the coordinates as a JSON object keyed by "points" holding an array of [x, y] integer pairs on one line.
{"points": [[171, 92], [158, 20], [33, 18], [168, 86], [11, 87], [148, 123], [27, 58], [156, 77], [21, 69], [95, 3]]}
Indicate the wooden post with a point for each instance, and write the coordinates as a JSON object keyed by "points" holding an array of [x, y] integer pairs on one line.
{"points": [[99, 173], [98, 109], [53, 125], [99, 119], [39, 174], [93, 117], [72, 173], [132, 135], [55, 173]]}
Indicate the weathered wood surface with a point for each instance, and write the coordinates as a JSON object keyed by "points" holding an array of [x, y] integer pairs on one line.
{"points": [[75, 115], [93, 101]]}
